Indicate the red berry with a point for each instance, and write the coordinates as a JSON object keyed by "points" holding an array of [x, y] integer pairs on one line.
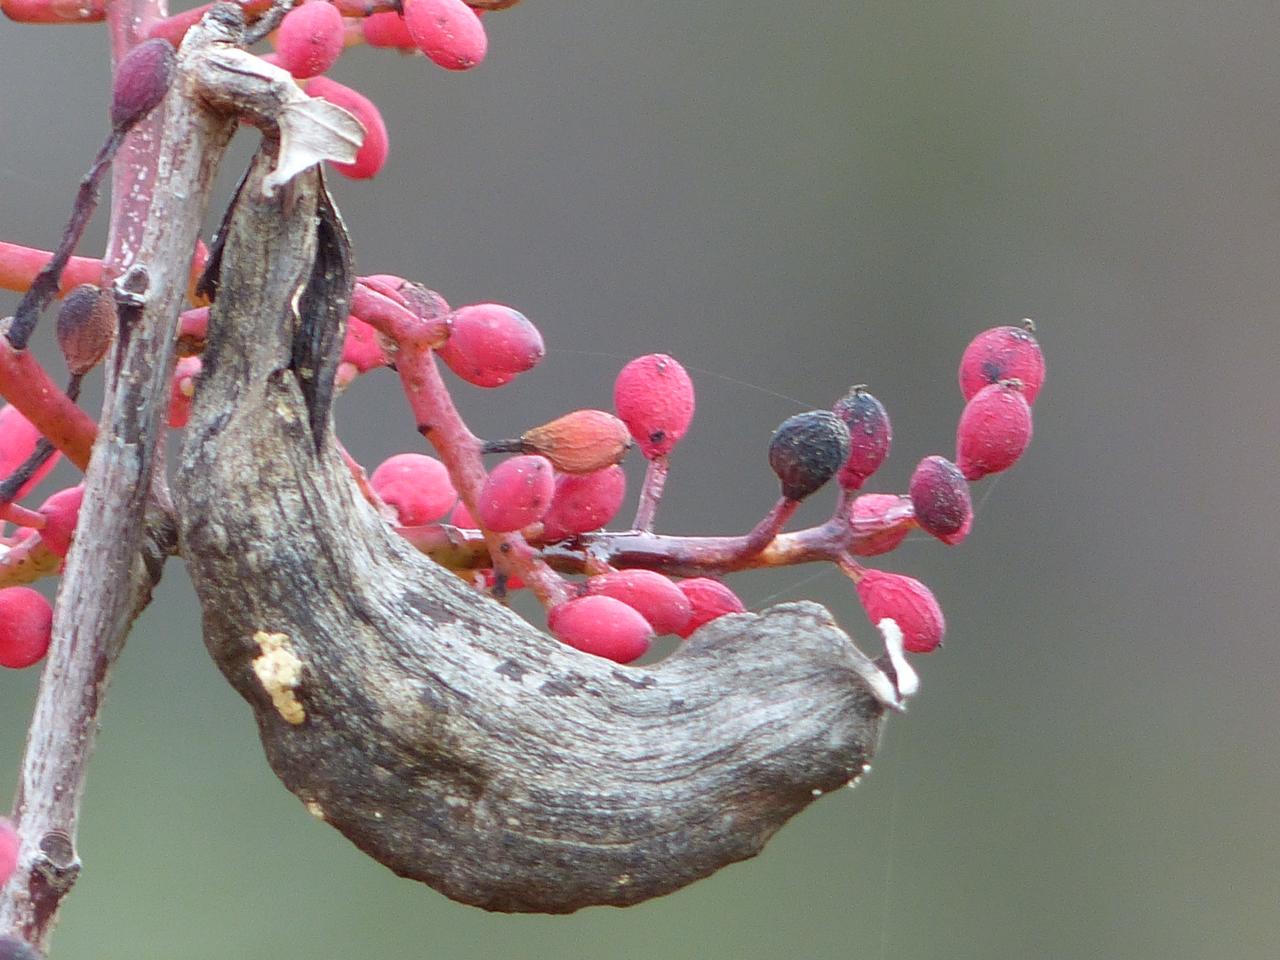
{"points": [[387, 29], [447, 31], [61, 511], [462, 517], [870, 436], [880, 521], [580, 442], [994, 430], [362, 347], [652, 595], [516, 493], [584, 501], [907, 602], [8, 850], [1002, 353], [142, 80], [490, 344], [85, 326], [654, 397], [708, 600], [18, 439], [182, 390], [417, 486], [26, 627], [940, 498], [601, 626], [373, 154], [310, 39]]}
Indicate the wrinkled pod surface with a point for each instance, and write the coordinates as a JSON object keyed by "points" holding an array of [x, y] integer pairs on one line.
{"points": [[441, 733]]}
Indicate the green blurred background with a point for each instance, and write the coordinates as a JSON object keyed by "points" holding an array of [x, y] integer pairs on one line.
{"points": [[792, 198]]}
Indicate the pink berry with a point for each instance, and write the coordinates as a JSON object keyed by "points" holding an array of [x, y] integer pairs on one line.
{"points": [[373, 154], [1002, 353], [584, 501], [18, 439], [940, 498], [61, 511], [870, 436], [516, 493], [601, 626], [462, 517], [417, 486], [651, 594], [8, 850], [142, 80], [490, 344], [880, 521], [708, 600], [907, 602], [654, 397], [447, 31], [182, 391], [387, 29], [994, 430], [26, 627], [310, 39], [362, 347]]}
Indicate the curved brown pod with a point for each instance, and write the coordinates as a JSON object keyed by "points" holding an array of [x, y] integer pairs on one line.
{"points": [[442, 734]]}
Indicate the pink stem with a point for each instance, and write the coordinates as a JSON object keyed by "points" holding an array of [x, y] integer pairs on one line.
{"points": [[439, 422], [24, 383], [655, 479], [20, 265]]}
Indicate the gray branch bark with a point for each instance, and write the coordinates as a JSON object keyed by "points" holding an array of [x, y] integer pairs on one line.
{"points": [[441, 733]]}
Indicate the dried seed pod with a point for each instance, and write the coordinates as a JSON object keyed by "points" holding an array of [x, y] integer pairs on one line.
{"points": [[908, 603], [654, 397], [940, 498], [870, 436], [806, 451], [1003, 353], [580, 442], [994, 430], [142, 80], [85, 326]]}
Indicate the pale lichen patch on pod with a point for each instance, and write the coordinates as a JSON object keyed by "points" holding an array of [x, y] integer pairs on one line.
{"points": [[280, 672], [314, 808]]}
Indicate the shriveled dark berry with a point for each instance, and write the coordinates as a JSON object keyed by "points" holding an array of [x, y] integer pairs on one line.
{"points": [[142, 80], [807, 450], [86, 323], [940, 498], [870, 436]]}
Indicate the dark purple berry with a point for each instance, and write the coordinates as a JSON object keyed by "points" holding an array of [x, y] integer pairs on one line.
{"points": [[807, 450]]}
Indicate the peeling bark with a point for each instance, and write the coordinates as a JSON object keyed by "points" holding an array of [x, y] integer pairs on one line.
{"points": [[441, 733]]}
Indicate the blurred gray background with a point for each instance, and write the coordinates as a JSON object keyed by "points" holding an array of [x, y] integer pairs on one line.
{"points": [[792, 198]]}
